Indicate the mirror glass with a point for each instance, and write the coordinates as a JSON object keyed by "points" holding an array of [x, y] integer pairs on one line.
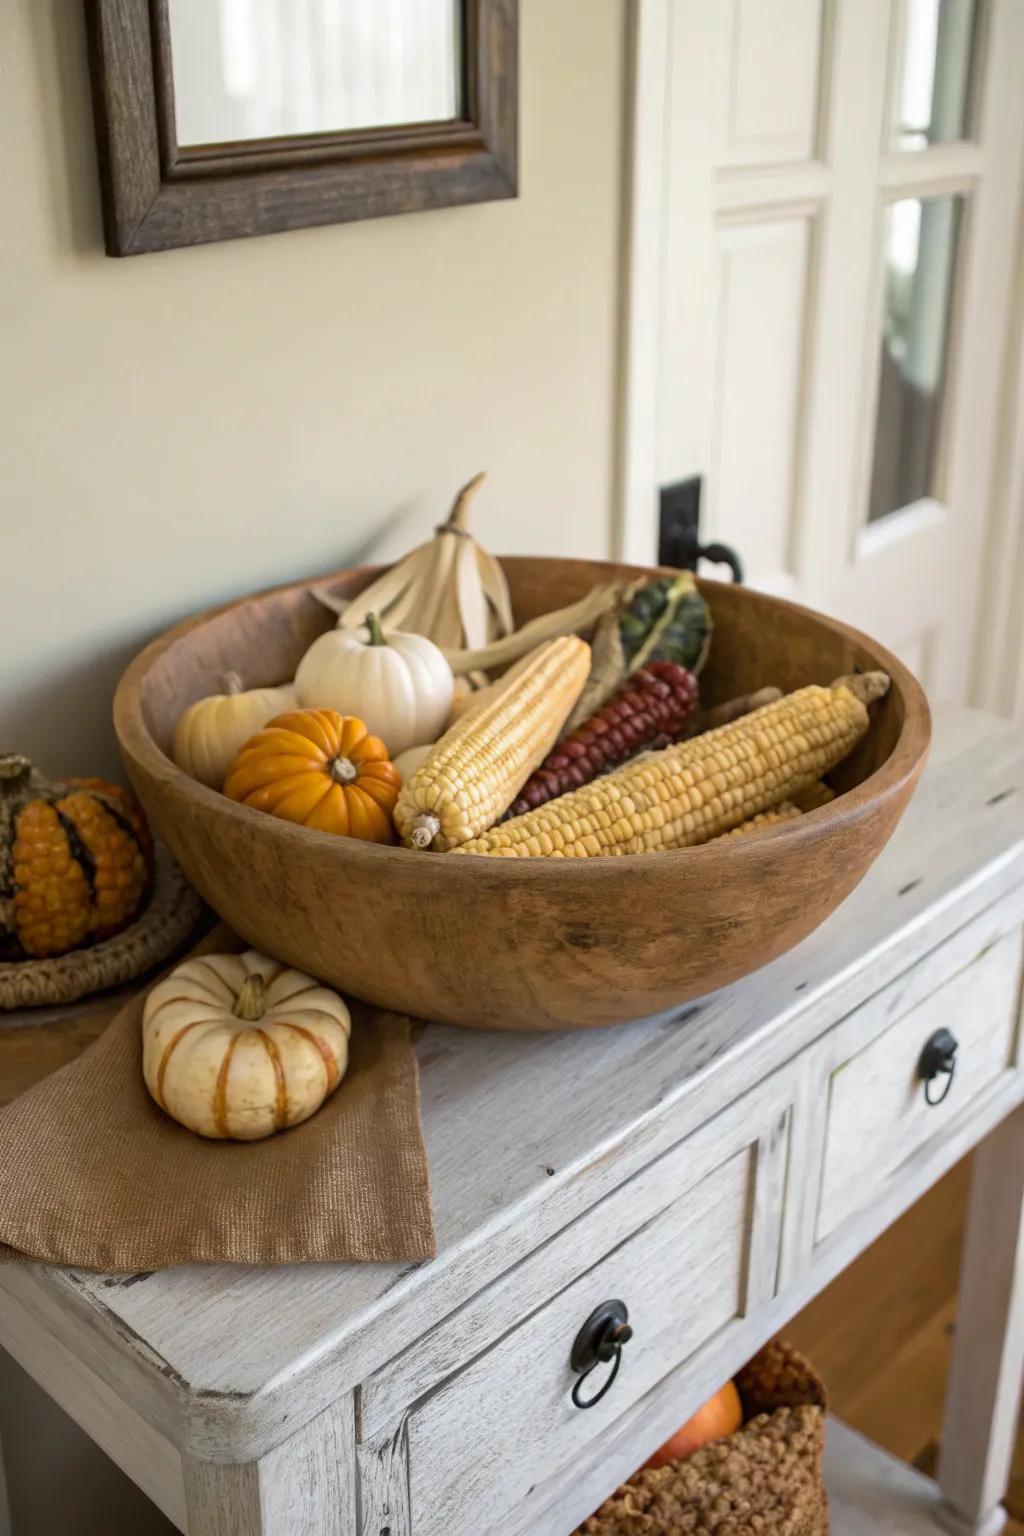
{"points": [[268, 69]]}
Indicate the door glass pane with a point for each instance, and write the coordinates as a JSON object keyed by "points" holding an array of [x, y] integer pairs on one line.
{"points": [[933, 104], [922, 238]]}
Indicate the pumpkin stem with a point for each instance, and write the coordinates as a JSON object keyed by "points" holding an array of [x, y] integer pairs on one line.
{"points": [[250, 1005], [342, 770], [457, 516], [424, 829], [14, 766], [376, 633]]}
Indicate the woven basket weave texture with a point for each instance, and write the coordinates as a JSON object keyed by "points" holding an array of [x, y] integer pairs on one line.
{"points": [[168, 918], [765, 1480]]}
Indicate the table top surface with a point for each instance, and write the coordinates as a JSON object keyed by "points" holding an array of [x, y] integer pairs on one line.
{"points": [[525, 1132]]}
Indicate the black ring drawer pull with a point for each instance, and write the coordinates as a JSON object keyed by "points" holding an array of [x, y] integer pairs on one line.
{"points": [[938, 1060], [600, 1342]]}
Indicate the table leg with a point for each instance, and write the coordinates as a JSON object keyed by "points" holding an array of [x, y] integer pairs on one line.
{"points": [[5, 1513], [303, 1487], [983, 1395]]}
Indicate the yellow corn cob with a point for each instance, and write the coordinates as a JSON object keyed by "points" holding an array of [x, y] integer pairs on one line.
{"points": [[787, 811], [482, 762], [813, 796], [692, 792], [808, 799]]}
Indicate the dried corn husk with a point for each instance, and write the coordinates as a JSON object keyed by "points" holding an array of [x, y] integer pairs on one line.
{"points": [[608, 663], [482, 692], [664, 620], [468, 687], [733, 709], [449, 589], [468, 698], [580, 615]]}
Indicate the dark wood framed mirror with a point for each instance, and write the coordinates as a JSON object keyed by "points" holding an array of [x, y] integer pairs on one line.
{"points": [[217, 119]]}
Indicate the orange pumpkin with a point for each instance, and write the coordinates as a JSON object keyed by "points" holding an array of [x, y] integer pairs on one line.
{"points": [[321, 769], [721, 1415], [75, 861]]}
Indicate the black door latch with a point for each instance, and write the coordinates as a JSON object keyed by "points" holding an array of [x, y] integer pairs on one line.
{"points": [[679, 542]]}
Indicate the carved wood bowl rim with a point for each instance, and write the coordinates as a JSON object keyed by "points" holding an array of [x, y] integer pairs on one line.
{"points": [[520, 943], [902, 765]]}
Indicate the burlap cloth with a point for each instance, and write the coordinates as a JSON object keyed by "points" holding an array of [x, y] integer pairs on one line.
{"points": [[94, 1175], [765, 1480]]}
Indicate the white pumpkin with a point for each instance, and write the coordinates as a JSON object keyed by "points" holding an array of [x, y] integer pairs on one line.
{"points": [[399, 684], [210, 732], [239, 1046]]}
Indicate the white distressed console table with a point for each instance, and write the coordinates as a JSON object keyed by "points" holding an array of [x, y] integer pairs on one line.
{"points": [[713, 1169]]}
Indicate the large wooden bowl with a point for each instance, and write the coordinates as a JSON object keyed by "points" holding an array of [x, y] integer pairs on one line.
{"points": [[532, 943]]}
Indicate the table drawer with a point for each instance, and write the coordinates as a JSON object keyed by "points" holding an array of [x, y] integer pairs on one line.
{"points": [[877, 1113], [691, 1245]]}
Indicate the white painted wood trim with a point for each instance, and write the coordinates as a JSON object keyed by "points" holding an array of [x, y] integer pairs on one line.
{"points": [[942, 168], [922, 981], [480, 1446], [305, 1485], [567, 1499], [772, 1190], [599, 1110], [54, 1299], [923, 516], [757, 1123], [998, 681], [807, 1161], [633, 1116], [873, 1494], [170, 1346], [876, 1108], [151, 1461], [983, 1395], [383, 1466], [635, 533], [784, 189]]}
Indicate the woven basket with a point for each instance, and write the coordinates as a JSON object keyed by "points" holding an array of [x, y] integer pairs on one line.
{"points": [[765, 1480], [170, 915]]}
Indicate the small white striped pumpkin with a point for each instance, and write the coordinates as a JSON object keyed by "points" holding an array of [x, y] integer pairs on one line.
{"points": [[239, 1046]]}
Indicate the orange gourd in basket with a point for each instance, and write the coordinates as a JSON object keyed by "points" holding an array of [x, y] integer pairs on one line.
{"points": [[321, 769], [721, 1415], [75, 861]]}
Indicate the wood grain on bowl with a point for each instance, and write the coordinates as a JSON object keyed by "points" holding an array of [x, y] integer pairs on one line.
{"points": [[532, 943]]}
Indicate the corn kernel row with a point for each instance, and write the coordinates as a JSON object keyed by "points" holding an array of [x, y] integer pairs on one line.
{"points": [[481, 763], [698, 789], [787, 811]]}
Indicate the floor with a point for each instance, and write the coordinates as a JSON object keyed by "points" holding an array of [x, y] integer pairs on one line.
{"points": [[880, 1335]]}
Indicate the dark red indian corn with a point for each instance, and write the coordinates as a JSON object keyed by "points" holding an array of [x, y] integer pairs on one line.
{"points": [[653, 703]]}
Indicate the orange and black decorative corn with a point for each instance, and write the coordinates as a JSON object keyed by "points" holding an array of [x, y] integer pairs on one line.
{"points": [[653, 705]]}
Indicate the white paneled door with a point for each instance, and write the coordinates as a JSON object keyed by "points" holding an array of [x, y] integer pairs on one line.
{"points": [[826, 206]]}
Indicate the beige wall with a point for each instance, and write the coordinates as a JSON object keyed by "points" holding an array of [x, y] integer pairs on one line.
{"points": [[179, 428]]}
